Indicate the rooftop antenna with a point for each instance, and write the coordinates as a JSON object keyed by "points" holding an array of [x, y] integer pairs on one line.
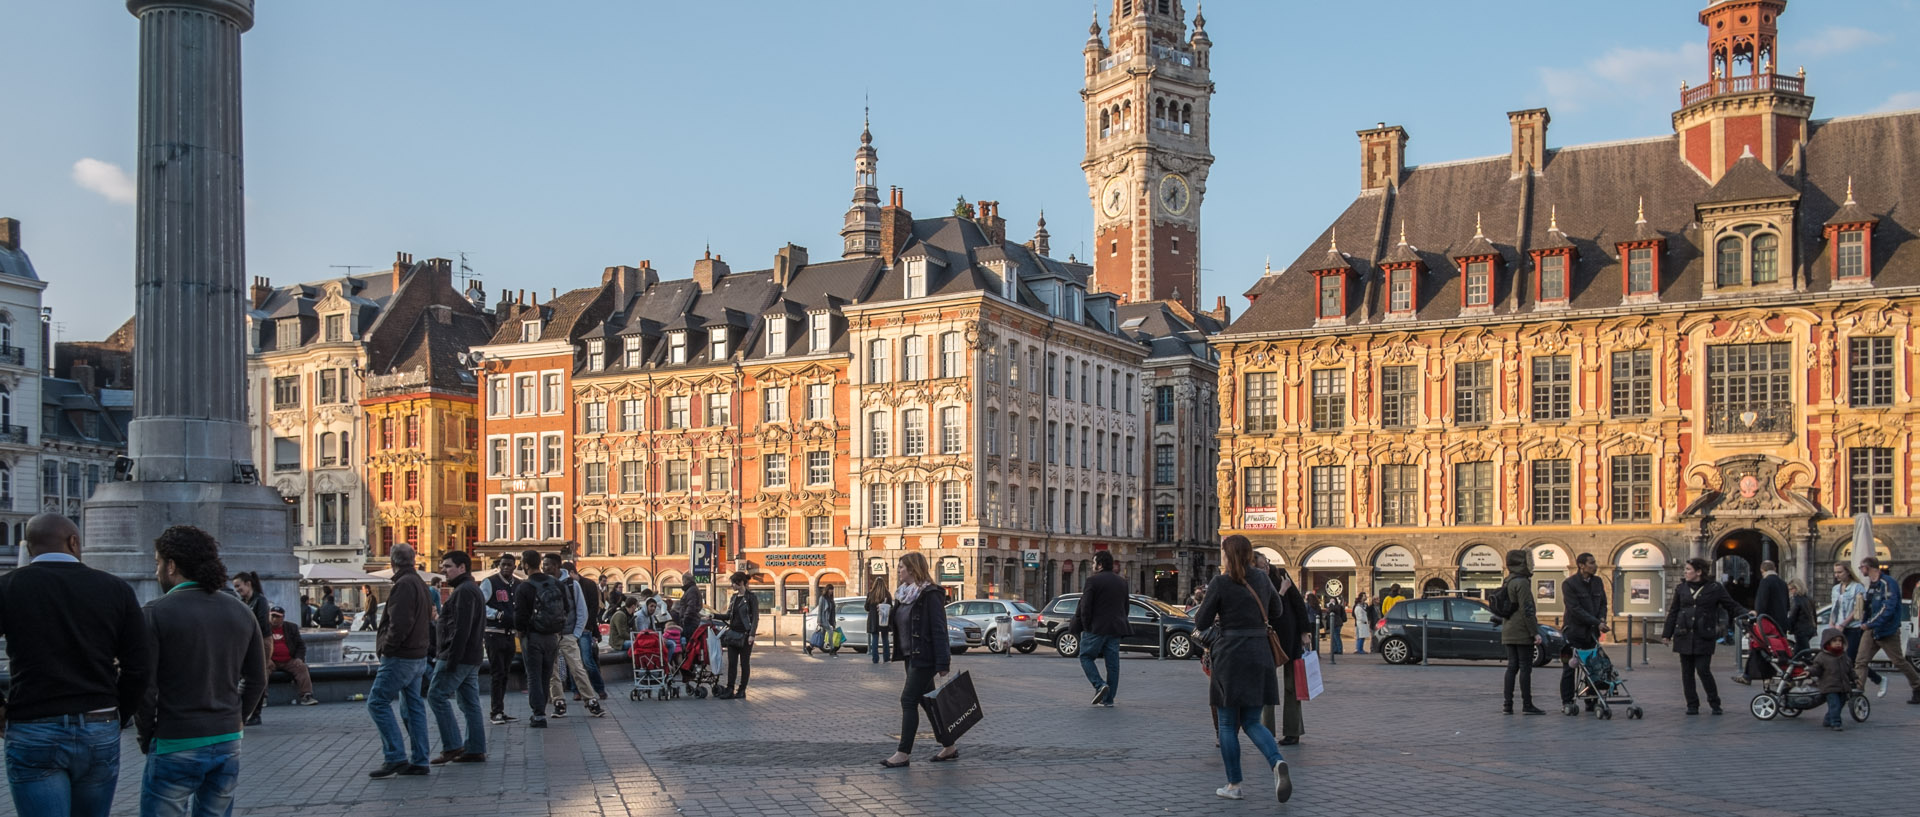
{"points": [[466, 273], [350, 267]]}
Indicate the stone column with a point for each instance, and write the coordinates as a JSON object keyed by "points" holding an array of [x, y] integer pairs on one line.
{"points": [[188, 443]]}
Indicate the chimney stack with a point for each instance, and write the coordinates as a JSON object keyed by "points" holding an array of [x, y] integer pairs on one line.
{"points": [[401, 261], [1528, 140], [10, 233], [896, 225], [261, 291], [82, 372], [786, 261], [708, 271], [1221, 312], [1383, 156]]}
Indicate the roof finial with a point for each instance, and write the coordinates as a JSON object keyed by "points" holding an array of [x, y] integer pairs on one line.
{"points": [[1477, 233], [1553, 218], [1849, 191], [1269, 265], [1403, 232], [1643, 211], [1746, 151], [1333, 245], [1043, 219]]}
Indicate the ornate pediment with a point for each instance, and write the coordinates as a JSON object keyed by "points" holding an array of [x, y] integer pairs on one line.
{"points": [[1750, 486]]}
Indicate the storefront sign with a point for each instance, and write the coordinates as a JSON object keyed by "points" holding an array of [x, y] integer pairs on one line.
{"points": [[1031, 558], [1481, 558], [1643, 555], [877, 566], [1394, 558], [1272, 555], [1550, 556], [1260, 519], [801, 560], [523, 485], [1879, 550], [1329, 557], [950, 569]]}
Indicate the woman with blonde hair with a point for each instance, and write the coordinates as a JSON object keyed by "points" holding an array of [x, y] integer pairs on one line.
{"points": [[920, 642], [1849, 611], [879, 621]]}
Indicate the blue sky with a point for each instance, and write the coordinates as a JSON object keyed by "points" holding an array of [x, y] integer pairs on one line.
{"points": [[549, 145]]}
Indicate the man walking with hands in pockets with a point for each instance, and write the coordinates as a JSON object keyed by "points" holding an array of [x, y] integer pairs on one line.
{"points": [[1101, 621]]}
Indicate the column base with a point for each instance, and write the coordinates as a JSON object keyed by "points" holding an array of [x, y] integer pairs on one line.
{"points": [[252, 523]]}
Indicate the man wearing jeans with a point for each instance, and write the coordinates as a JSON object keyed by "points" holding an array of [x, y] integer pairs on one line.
{"points": [[402, 643], [1101, 621], [462, 624], [1882, 626], [77, 656], [209, 668]]}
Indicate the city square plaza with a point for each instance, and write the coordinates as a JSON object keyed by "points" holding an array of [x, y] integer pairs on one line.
{"points": [[1400, 740]]}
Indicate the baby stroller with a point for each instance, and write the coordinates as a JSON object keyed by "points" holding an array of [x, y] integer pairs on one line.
{"points": [[1598, 686], [1791, 689], [652, 667], [696, 659]]}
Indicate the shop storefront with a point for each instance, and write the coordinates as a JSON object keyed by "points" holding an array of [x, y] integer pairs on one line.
{"points": [[950, 574], [1328, 572], [1640, 580], [1394, 564], [1480, 570], [1550, 566]]}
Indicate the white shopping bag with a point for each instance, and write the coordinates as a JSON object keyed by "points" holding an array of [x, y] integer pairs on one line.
{"points": [[1306, 677]]}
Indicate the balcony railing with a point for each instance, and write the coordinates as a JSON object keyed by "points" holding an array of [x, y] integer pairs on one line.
{"points": [[1747, 84], [13, 355], [1756, 418], [13, 435]]}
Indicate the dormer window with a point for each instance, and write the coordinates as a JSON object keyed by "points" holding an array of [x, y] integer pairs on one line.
{"points": [[529, 331], [1850, 231], [1333, 296], [336, 328], [1478, 291], [1640, 268], [820, 331], [1850, 255], [596, 359], [286, 333], [1553, 277], [917, 278], [717, 343], [631, 358], [776, 337], [677, 348], [1747, 255], [1400, 291]]}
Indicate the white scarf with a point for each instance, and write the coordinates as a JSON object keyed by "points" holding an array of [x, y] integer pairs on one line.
{"points": [[906, 593]]}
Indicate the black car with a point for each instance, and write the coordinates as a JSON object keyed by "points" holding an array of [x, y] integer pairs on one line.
{"points": [[1453, 628], [1148, 615]]}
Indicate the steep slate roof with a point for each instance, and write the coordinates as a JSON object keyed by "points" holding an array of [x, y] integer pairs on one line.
{"points": [[433, 346], [1168, 329], [64, 403], [16, 263], [559, 316], [1597, 190], [366, 294]]}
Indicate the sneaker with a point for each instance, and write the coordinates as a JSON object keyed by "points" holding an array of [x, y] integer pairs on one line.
{"points": [[559, 709], [1915, 699], [254, 721], [594, 709], [508, 718], [388, 770], [1693, 710], [1530, 709], [1100, 695], [447, 756], [537, 723], [307, 700], [413, 771], [1282, 782], [471, 758], [1742, 680], [1883, 688], [1716, 711], [1229, 793], [1108, 704], [497, 718]]}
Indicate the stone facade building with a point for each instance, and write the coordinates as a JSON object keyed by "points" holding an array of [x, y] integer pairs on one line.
{"points": [[21, 366], [83, 433], [1182, 423], [1698, 344]]}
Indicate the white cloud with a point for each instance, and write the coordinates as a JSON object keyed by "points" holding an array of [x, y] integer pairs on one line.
{"points": [[1629, 74], [105, 178], [1839, 39], [1903, 101]]}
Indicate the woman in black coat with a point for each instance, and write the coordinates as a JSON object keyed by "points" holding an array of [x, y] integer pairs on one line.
{"points": [[743, 616], [920, 642], [1694, 625], [879, 621], [1244, 603], [1291, 725]]}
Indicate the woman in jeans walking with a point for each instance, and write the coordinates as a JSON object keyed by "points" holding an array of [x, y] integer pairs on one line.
{"points": [[920, 627], [1241, 664], [879, 621], [743, 616], [1848, 598]]}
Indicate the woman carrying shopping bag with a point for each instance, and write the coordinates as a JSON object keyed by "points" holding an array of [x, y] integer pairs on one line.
{"points": [[920, 628]]}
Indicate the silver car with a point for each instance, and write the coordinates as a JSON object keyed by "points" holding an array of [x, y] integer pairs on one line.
{"points": [[990, 612], [962, 633]]}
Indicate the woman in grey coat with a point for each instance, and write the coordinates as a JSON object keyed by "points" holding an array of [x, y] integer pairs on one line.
{"points": [[1242, 601]]}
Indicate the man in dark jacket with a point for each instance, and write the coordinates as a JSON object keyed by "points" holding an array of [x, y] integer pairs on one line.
{"points": [[541, 610], [589, 639], [402, 642], [328, 617], [499, 590], [209, 667], [1101, 622], [1586, 601], [1770, 599], [287, 652], [462, 628], [77, 650]]}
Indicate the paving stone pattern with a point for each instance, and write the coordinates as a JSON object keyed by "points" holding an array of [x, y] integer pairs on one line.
{"points": [[1406, 741]]}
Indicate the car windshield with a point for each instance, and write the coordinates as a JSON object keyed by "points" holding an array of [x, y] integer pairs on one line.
{"points": [[1024, 607], [1165, 607]]}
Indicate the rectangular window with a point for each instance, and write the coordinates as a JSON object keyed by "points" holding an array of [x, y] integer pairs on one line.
{"points": [[552, 401], [1479, 283], [1749, 388], [596, 538], [952, 361], [1851, 255], [630, 352], [677, 347], [1632, 383], [1329, 484], [1163, 523], [286, 333], [1163, 465], [1130, 392], [1553, 277], [1552, 491], [773, 404], [1870, 372], [631, 418], [677, 476], [1261, 487], [336, 328], [913, 432], [1472, 391], [1331, 305], [633, 477], [472, 487], [952, 431], [413, 431], [524, 453], [1399, 396], [386, 487], [525, 521], [1163, 404], [993, 432], [879, 506], [595, 418], [1640, 271], [1033, 440], [1870, 473], [717, 344], [819, 331], [775, 471], [819, 401], [952, 504], [878, 370], [1552, 387], [719, 410], [328, 391], [633, 538], [1399, 494], [1473, 493], [1329, 399], [916, 278], [679, 411], [523, 394], [593, 478], [286, 392], [413, 486], [1053, 375], [776, 337], [679, 537], [1400, 290], [1263, 402], [1632, 484], [497, 399], [497, 457], [550, 454], [913, 364], [773, 533], [498, 525], [819, 467], [1053, 441], [553, 517], [1130, 461], [719, 475], [819, 531]]}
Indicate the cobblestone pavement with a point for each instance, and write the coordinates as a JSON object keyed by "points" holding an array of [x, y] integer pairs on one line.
{"points": [[1406, 741]]}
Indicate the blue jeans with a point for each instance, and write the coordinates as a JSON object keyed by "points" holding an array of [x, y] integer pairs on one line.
{"points": [[400, 677], [1835, 703], [1244, 719], [464, 680], [880, 645], [197, 782], [62, 769], [1360, 645], [1336, 640], [590, 656], [1094, 647]]}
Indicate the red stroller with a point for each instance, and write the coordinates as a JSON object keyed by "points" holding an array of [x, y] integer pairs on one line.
{"points": [[696, 659], [653, 662]]}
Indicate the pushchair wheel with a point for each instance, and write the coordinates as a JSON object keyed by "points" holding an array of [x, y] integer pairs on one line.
{"points": [[1765, 706], [633, 695], [1790, 712], [1635, 713], [1570, 709], [1859, 708], [1606, 714], [699, 692]]}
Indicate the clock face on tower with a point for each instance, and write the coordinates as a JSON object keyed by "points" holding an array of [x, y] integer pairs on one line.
{"points": [[1174, 195], [1113, 197]]}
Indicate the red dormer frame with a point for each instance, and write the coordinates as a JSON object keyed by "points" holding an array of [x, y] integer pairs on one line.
{"points": [[1413, 269], [1565, 254], [1865, 229], [1494, 264], [1659, 248], [1319, 283]]}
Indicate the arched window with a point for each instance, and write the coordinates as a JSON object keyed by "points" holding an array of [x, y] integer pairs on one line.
{"points": [[1186, 118], [1159, 110], [1126, 115], [1766, 258], [1728, 265], [1105, 124]]}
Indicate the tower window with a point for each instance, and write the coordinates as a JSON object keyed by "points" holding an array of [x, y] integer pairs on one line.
{"points": [[1176, 245], [1166, 6], [1113, 248]]}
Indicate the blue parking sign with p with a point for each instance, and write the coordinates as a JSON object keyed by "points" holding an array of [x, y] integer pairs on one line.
{"points": [[703, 554]]}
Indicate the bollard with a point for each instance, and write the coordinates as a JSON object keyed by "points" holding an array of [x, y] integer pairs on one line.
{"points": [[1423, 643], [1643, 641], [1629, 643], [1162, 622]]}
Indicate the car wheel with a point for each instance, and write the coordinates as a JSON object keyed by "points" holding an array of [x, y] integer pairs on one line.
{"points": [[1179, 646], [1540, 656], [1068, 645], [1027, 648], [993, 641], [1396, 651]]}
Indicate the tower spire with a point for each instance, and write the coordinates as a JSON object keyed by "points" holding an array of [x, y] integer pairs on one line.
{"points": [[860, 236], [1042, 243]]}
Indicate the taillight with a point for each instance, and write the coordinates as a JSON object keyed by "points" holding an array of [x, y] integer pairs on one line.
{"points": [[1379, 624], [1020, 618]]}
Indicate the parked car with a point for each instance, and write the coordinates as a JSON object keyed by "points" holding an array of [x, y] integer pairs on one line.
{"points": [[962, 633], [990, 612], [1146, 614], [1453, 628]]}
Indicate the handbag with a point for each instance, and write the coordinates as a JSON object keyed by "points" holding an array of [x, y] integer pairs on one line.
{"points": [[952, 709], [733, 639], [1273, 638]]}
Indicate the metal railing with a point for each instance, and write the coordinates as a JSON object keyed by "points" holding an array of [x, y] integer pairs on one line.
{"points": [[14, 435], [13, 355], [1747, 84], [1754, 418]]}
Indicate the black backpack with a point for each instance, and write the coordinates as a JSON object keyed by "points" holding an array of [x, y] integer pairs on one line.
{"points": [[1502, 604], [550, 607]]}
